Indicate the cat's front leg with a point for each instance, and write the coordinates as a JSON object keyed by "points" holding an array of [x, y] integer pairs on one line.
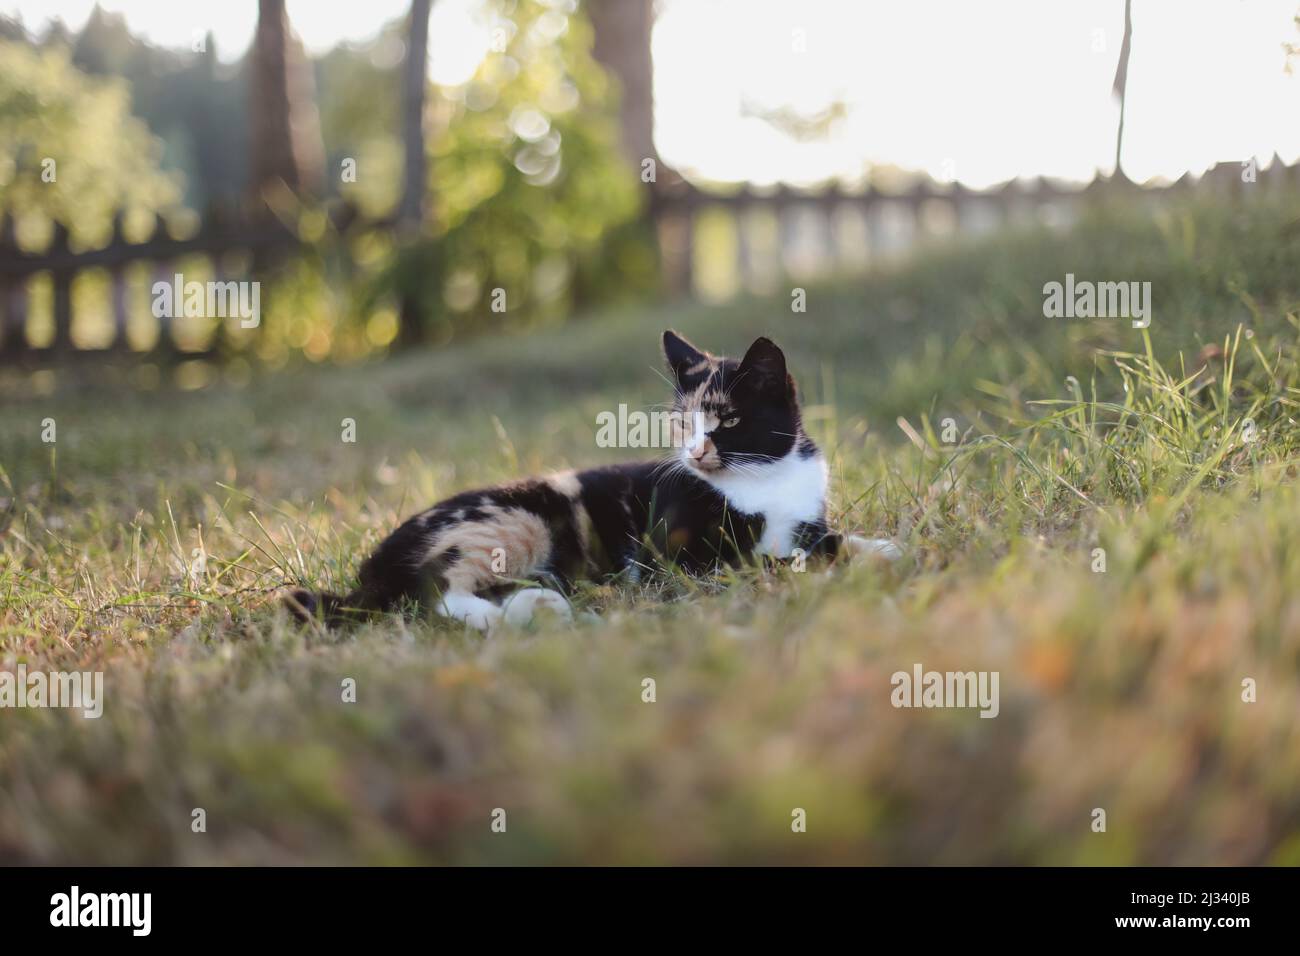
{"points": [[479, 613], [815, 539], [521, 607]]}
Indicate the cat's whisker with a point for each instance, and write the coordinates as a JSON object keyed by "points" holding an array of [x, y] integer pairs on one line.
{"points": [[665, 466], [752, 458]]}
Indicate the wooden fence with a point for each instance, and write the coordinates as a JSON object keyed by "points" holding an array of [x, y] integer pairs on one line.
{"points": [[786, 232], [258, 242], [713, 244]]}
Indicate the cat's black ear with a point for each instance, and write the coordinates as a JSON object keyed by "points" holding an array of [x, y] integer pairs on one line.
{"points": [[763, 367], [682, 356]]}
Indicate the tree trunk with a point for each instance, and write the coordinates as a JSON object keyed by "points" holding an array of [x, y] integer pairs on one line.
{"points": [[411, 329], [414, 82], [285, 126], [622, 47], [622, 30]]}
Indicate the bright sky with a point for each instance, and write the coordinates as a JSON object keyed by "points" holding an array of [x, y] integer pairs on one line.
{"points": [[977, 91]]}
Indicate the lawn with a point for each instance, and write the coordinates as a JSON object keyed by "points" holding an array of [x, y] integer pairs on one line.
{"points": [[1107, 521]]}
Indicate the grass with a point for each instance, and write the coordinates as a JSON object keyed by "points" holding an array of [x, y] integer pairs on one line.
{"points": [[150, 539]]}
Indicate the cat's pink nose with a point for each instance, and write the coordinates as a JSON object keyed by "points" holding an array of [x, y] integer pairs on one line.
{"points": [[699, 452]]}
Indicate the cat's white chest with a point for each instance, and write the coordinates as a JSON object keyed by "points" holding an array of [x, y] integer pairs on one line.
{"points": [[786, 493]]}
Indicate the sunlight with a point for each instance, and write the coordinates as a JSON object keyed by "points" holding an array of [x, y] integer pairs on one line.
{"points": [[979, 93]]}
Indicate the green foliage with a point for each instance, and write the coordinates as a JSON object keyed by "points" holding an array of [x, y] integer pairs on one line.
{"points": [[528, 192], [195, 105], [528, 184], [105, 159], [358, 97]]}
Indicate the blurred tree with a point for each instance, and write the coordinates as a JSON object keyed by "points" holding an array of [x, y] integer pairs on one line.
{"points": [[622, 46], [196, 105], [529, 191], [530, 211], [800, 126], [415, 166], [11, 28], [57, 34], [1292, 49], [72, 152], [415, 80], [361, 119], [285, 125]]}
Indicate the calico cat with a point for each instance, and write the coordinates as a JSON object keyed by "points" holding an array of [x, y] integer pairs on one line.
{"points": [[744, 483]]}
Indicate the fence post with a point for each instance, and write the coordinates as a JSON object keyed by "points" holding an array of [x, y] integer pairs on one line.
{"points": [[117, 274], [13, 294], [214, 229], [787, 227], [676, 233], [826, 205], [959, 197], [61, 276], [873, 219], [162, 272]]}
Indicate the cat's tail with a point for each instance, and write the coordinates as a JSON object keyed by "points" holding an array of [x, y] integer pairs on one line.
{"points": [[331, 609]]}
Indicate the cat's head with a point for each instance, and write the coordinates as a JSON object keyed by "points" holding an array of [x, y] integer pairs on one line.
{"points": [[731, 414]]}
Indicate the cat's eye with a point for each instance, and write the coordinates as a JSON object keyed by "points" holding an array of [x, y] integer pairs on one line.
{"points": [[731, 422]]}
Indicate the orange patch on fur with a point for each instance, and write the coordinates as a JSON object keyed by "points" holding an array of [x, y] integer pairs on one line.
{"points": [[511, 543]]}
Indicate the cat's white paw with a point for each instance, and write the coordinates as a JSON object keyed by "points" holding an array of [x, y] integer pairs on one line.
{"points": [[478, 613], [859, 546], [522, 606]]}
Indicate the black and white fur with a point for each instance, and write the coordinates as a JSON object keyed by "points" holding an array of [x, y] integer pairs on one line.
{"points": [[744, 483]]}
